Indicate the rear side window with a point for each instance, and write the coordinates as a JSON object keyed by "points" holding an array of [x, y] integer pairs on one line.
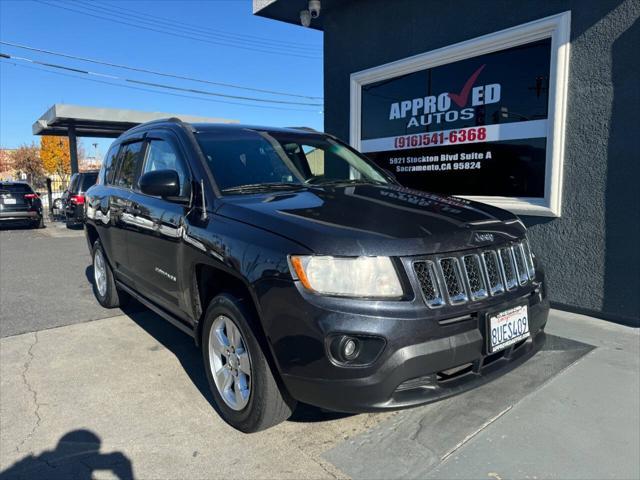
{"points": [[88, 180], [109, 166], [130, 161]]}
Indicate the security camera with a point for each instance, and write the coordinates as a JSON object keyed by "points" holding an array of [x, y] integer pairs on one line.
{"points": [[314, 8], [305, 18]]}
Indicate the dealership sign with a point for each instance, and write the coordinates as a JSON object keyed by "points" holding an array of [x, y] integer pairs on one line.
{"points": [[481, 125]]}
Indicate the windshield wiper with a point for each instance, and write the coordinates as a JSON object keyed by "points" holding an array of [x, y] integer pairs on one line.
{"points": [[253, 187], [347, 181]]}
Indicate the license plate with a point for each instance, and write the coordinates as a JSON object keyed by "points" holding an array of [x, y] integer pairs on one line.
{"points": [[9, 201], [508, 327]]}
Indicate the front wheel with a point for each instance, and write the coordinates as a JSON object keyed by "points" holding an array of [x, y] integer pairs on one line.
{"points": [[244, 388], [104, 285]]}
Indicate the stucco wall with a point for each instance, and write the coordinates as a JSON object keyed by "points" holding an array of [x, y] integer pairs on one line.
{"points": [[591, 253]]}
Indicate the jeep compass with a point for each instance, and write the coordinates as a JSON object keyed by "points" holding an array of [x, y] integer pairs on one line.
{"points": [[304, 272]]}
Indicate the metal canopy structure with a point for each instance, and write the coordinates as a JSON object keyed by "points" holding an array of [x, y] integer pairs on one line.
{"points": [[80, 121]]}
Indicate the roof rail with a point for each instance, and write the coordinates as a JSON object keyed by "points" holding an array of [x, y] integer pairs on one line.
{"points": [[158, 120], [162, 120], [308, 129]]}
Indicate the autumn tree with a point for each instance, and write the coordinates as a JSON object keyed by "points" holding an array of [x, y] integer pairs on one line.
{"points": [[54, 152], [27, 160]]}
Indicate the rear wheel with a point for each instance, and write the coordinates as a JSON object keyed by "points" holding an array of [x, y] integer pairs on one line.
{"points": [[244, 388], [104, 285]]}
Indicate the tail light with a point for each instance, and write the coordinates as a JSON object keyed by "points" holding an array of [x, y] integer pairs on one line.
{"points": [[30, 196], [77, 199]]}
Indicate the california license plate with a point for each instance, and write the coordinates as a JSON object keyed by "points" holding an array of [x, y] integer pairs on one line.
{"points": [[508, 327], [9, 201]]}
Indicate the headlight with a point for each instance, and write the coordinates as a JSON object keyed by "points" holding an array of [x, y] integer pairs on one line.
{"points": [[373, 277]]}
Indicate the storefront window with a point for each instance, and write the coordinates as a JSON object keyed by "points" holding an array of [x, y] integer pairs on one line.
{"points": [[473, 119]]}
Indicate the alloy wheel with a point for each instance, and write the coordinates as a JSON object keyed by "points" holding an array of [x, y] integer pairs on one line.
{"points": [[100, 273], [230, 363]]}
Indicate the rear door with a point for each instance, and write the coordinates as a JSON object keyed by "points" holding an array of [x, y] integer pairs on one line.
{"points": [[155, 234]]}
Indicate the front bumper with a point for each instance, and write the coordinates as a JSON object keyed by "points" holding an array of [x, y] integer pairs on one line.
{"points": [[428, 355]]}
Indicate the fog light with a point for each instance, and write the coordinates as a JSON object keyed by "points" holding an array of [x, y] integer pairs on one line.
{"points": [[354, 350], [349, 348]]}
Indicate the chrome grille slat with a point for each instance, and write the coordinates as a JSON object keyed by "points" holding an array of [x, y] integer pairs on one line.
{"points": [[468, 277], [452, 275], [528, 257], [521, 269], [506, 260], [475, 276], [494, 272], [428, 278]]}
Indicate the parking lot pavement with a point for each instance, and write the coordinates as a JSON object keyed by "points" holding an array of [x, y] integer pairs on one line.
{"points": [[44, 280], [126, 396]]}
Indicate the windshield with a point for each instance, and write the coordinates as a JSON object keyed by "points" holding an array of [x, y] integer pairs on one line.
{"points": [[247, 160]]}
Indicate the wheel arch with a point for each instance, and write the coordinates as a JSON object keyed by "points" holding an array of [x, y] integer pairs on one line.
{"points": [[210, 281]]}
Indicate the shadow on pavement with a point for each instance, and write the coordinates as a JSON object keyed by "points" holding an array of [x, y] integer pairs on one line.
{"points": [[76, 456], [189, 356]]}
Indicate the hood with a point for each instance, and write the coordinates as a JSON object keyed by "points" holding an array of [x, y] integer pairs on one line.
{"points": [[374, 220]]}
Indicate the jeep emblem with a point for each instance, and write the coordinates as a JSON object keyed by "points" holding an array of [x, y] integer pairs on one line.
{"points": [[482, 237]]}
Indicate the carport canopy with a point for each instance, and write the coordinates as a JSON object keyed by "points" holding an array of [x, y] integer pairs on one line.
{"points": [[81, 121]]}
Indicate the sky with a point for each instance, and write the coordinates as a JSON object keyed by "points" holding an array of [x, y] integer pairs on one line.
{"points": [[215, 40]]}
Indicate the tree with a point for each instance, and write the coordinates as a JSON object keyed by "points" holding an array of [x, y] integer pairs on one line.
{"points": [[27, 160], [54, 152]]}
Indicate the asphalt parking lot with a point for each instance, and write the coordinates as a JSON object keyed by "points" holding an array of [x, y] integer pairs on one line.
{"points": [[87, 392]]}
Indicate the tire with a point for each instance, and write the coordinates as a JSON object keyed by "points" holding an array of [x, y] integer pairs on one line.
{"points": [[266, 404], [39, 223], [106, 293]]}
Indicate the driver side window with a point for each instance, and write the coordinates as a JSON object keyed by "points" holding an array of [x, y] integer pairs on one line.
{"points": [[161, 155]]}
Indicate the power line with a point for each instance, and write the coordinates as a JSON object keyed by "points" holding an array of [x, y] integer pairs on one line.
{"points": [[208, 31], [161, 85], [164, 23], [175, 34], [191, 97], [154, 72]]}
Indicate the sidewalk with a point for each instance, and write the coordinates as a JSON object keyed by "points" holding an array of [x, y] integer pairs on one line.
{"points": [[128, 394]]}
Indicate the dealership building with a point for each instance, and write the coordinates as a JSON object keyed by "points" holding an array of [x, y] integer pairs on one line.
{"points": [[530, 106]]}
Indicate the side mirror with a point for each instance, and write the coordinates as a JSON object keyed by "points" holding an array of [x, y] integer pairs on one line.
{"points": [[160, 183]]}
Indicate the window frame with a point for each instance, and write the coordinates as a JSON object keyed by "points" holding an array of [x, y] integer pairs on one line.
{"points": [[102, 176], [172, 140], [557, 28], [137, 171]]}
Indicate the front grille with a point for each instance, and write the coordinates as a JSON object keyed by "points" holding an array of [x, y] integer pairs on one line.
{"points": [[457, 279]]}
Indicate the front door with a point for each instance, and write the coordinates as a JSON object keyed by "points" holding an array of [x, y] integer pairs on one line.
{"points": [[156, 224], [119, 207]]}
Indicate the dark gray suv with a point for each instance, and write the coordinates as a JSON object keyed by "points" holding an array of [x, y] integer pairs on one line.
{"points": [[306, 273]]}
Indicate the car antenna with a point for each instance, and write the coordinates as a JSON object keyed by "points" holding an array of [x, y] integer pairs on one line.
{"points": [[204, 204]]}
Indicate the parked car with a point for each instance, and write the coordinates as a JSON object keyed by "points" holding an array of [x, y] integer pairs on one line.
{"points": [[72, 200], [19, 203], [306, 273]]}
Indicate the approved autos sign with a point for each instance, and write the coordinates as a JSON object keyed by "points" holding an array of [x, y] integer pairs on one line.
{"points": [[474, 127]]}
